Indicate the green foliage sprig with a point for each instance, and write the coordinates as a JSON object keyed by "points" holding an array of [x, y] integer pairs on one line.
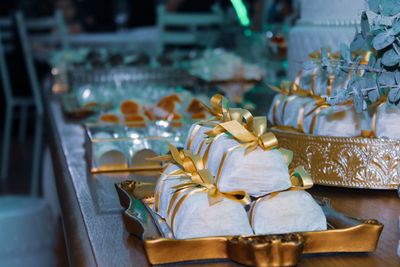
{"points": [[382, 73]]}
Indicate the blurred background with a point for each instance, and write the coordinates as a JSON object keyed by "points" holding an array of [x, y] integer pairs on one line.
{"points": [[233, 47], [254, 30]]}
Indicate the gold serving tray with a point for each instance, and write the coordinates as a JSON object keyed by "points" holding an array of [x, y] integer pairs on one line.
{"points": [[345, 234], [356, 162]]}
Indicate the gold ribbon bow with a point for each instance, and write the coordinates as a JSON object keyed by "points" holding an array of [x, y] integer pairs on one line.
{"points": [[252, 137], [316, 55], [219, 107], [193, 167], [201, 181], [222, 113]]}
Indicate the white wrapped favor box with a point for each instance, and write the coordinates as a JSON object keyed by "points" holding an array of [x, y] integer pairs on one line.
{"points": [[258, 173], [196, 218], [288, 212]]}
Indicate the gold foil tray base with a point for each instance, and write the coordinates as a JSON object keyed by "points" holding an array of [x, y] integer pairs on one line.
{"points": [[355, 162], [345, 234]]}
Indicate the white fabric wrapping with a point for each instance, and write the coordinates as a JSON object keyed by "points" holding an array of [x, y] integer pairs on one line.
{"points": [[196, 218], [277, 98], [197, 138], [341, 120], [165, 184], [321, 82], [279, 109], [292, 113], [307, 118], [291, 211], [388, 122], [258, 173], [305, 82]]}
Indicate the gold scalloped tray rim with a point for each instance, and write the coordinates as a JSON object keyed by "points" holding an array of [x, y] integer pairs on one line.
{"points": [[291, 140], [351, 235]]}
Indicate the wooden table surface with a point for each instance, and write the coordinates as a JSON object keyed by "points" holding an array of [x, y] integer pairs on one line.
{"points": [[95, 234]]}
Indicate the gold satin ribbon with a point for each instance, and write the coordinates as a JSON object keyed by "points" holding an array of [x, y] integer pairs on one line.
{"points": [[376, 105], [313, 78], [330, 83], [213, 194], [257, 136], [288, 92], [207, 152], [201, 180], [287, 155], [300, 179], [316, 55], [277, 103], [160, 186], [219, 107], [296, 84], [287, 101], [286, 128], [193, 134], [300, 117]]}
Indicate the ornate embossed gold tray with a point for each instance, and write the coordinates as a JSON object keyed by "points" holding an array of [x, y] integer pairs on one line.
{"points": [[345, 234], [345, 161]]}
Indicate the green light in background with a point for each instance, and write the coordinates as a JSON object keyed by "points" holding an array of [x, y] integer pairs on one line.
{"points": [[241, 12]]}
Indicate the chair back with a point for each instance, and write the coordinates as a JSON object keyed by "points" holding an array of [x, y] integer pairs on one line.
{"points": [[32, 74], [190, 22], [6, 45], [48, 31]]}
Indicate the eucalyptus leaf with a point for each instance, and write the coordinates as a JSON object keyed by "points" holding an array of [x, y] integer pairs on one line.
{"points": [[373, 95], [324, 54], [370, 82], [371, 61], [309, 64], [390, 7], [387, 21], [394, 95], [376, 30], [382, 40], [345, 52], [357, 43], [365, 29], [342, 96], [358, 103], [378, 61], [357, 62], [395, 28], [397, 76], [374, 5], [340, 76], [390, 58], [387, 78]]}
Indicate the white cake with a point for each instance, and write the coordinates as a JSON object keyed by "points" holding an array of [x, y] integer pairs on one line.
{"points": [[322, 23]]}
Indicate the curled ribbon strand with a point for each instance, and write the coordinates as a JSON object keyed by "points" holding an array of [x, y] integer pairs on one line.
{"points": [[219, 107]]}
